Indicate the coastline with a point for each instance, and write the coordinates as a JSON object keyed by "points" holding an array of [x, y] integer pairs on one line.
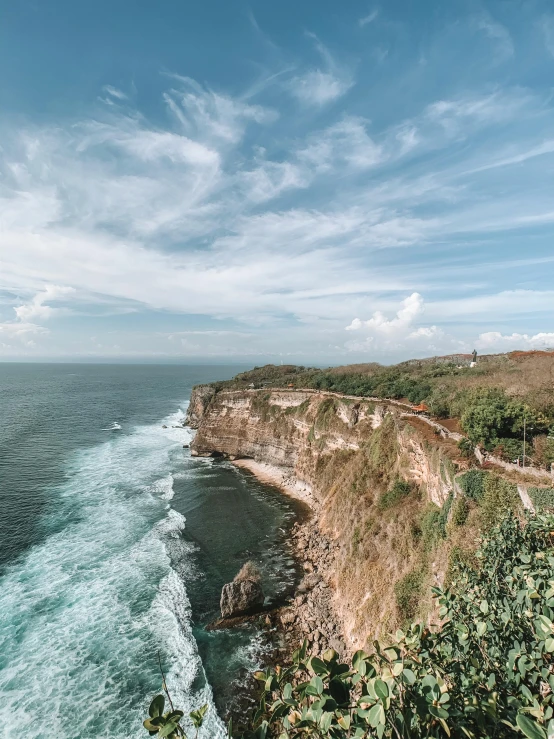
{"points": [[310, 613], [273, 475]]}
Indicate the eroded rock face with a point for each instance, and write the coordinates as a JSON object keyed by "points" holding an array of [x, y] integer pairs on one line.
{"points": [[199, 401], [241, 597]]}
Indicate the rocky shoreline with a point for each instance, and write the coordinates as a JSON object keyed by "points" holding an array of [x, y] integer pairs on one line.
{"points": [[308, 615]]}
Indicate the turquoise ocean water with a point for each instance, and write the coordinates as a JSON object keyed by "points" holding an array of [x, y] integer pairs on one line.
{"points": [[114, 545]]}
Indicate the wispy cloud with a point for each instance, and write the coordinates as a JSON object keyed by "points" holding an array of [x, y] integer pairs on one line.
{"points": [[499, 36], [321, 85], [369, 18], [546, 25]]}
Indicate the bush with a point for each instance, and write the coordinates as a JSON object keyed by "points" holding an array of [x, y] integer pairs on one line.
{"points": [[460, 511], [499, 498], [509, 449], [466, 448], [486, 673], [407, 592], [490, 416], [542, 498], [431, 528], [400, 490], [472, 483]]}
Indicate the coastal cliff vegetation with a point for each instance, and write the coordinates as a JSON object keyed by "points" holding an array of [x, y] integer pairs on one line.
{"points": [[488, 671], [429, 542], [490, 401]]}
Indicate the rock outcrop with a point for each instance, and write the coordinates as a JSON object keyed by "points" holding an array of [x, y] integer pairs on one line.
{"points": [[241, 597], [346, 452], [199, 400]]}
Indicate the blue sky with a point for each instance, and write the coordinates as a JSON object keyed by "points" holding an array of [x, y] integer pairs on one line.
{"points": [[306, 182]]}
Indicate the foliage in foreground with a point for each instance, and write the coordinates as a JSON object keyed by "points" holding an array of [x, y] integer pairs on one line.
{"points": [[489, 671]]}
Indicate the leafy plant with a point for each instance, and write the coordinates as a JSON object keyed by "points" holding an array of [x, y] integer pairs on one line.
{"points": [[460, 511], [407, 592], [168, 724], [488, 672], [542, 498], [472, 483]]}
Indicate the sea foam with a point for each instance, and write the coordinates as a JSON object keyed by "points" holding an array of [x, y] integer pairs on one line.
{"points": [[86, 611]]}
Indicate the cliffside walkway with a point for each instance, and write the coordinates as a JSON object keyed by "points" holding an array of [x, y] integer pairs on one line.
{"points": [[407, 411]]}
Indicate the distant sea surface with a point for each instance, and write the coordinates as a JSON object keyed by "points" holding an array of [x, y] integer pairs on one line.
{"points": [[114, 546]]}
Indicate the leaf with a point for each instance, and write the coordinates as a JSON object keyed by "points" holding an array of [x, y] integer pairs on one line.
{"points": [[198, 716], [168, 728], [484, 607], [376, 715], [318, 666], [529, 727], [381, 689], [409, 676], [157, 706], [153, 724], [481, 628], [325, 721], [344, 721]]}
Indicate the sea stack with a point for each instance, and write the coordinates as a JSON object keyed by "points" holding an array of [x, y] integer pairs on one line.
{"points": [[244, 595]]}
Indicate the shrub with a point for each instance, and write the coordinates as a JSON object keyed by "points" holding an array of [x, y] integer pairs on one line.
{"points": [[486, 673], [407, 592], [499, 498], [460, 511], [400, 490], [508, 449], [542, 498], [466, 448], [431, 529], [472, 483], [445, 512]]}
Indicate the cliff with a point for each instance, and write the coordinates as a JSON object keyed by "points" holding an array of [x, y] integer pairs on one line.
{"points": [[347, 454]]}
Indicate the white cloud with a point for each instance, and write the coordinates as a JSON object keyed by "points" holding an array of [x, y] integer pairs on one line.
{"points": [[318, 87], [367, 19], [321, 85], [499, 35], [345, 143], [115, 93], [410, 309], [38, 308], [498, 341], [547, 28]]}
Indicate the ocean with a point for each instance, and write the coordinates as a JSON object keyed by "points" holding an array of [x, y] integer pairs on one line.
{"points": [[114, 546]]}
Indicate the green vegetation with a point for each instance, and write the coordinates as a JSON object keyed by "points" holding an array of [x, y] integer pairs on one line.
{"points": [[493, 419], [491, 400], [486, 673], [472, 483], [542, 498], [168, 724], [460, 511], [499, 498], [431, 529], [407, 591], [400, 490]]}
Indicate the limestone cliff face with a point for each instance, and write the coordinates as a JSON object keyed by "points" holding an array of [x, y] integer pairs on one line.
{"points": [[199, 400], [297, 431], [347, 452]]}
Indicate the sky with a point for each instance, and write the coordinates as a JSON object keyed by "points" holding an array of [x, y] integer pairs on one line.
{"points": [[301, 182]]}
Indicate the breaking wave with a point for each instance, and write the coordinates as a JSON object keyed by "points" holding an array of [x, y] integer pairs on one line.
{"points": [[85, 612]]}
